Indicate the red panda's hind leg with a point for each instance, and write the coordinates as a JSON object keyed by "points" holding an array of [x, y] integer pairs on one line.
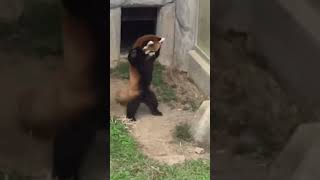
{"points": [[132, 108], [151, 101]]}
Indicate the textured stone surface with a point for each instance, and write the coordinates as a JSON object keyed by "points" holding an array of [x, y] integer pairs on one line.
{"points": [[115, 33], [165, 28], [185, 31], [124, 3], [287, 41], [309, 167], [199, 71], [201, 125], [116, 3], [10, 10], [176, 22], [296, 153]]}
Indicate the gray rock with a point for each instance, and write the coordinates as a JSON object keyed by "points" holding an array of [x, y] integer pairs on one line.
{"points": [[185, 31], [295, 158], [115, 30], [136, 3], [309, 167], [165, 28], [116, 3], [200, 128], [199, 71]]}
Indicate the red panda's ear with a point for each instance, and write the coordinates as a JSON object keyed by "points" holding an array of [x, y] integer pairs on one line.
{"points": [[162, 40]]}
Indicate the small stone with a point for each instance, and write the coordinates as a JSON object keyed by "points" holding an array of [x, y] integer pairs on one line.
{"points": [[199, 150]]}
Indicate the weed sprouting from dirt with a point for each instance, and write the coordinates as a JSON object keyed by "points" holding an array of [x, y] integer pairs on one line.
{"points": [[182, 132]]}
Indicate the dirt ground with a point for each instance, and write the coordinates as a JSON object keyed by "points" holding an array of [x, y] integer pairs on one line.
{"points": [[155, 133]]}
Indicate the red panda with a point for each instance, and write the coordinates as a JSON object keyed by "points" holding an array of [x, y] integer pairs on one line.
{"points": [[141, 57]]}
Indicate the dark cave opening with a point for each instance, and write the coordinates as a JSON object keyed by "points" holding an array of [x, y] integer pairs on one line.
{"points": [[136, 22]]}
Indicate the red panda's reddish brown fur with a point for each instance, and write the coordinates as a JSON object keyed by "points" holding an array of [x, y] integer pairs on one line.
{"points": [[123, 96]]}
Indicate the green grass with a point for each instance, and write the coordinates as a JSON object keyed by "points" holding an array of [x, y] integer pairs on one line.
{"points": [[121, 71], [182, 132], [164, 91], [127, 162]]}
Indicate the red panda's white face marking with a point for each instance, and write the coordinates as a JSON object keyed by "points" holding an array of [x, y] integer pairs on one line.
{"points": [[152, 47]]}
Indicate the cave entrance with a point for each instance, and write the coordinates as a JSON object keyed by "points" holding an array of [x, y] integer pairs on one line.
{"points": [[135, 22]]}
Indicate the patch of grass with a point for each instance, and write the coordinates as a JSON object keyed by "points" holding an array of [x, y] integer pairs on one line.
{"points": [[182, 132], [127, 162], [164, 92], [121, 71]]}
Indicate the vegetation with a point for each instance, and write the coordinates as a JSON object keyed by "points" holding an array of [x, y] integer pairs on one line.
{"points": [[182, 132], [164, 91], [127, 162]]}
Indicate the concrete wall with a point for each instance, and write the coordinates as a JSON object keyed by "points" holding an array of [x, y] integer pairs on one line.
{"points": [[203, 31], [288, 35], [115, 32], [165, 28], [185, 32], [198, 54], [198, 59]]}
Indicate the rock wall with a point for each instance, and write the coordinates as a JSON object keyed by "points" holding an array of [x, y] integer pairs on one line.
{"points": [[165, 28], [200, 128], [115, 33], [185, 31], [136, 3], [176, 21]]}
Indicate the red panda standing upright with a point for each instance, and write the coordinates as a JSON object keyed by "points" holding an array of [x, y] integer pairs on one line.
{"points": [[141, 57]]}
